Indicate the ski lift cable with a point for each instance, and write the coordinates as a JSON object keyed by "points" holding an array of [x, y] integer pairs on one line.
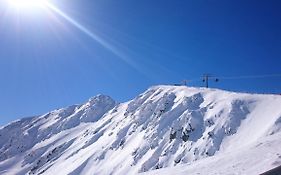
{"points": [[236, 77], [251, 76]]}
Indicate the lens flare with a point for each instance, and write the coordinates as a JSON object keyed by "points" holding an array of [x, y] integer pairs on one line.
{"points": [[92, 35], [27, 6]]}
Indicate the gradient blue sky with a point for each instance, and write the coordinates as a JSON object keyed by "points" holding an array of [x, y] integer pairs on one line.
{"points": [[47, 63]]}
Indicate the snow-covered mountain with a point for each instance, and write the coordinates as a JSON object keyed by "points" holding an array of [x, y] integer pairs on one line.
{"points": [[194, 130]]}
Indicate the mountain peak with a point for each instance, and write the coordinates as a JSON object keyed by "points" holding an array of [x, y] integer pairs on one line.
{"points": [[100, 98], [163, 127]]}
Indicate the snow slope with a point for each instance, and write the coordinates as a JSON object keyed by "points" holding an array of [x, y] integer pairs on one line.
{"points": [[166, 126], [254, 159]]}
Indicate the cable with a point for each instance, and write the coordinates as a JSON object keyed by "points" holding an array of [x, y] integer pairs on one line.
{"points": [[251, 76], [234, 77]]}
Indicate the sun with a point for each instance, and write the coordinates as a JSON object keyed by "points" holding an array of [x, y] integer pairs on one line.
{"points": [[27, 4]]}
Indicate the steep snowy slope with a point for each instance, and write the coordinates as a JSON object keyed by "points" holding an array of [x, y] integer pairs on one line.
{"points": [[250, 160], [163, 127]]}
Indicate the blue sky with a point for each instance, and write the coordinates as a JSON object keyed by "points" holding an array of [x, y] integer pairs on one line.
{"points": [[47, 63]]}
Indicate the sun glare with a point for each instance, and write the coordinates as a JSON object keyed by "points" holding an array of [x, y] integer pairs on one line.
{"points": [[27, 4]]}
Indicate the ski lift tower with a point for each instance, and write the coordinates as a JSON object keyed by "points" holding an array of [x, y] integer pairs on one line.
{"points": [[184, 82], [207, 77]]}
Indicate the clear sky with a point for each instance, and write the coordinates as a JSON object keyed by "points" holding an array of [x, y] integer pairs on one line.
{"points": [[51, 59]]}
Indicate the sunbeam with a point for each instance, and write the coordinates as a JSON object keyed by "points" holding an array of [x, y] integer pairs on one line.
{"points": [[92, 35]]}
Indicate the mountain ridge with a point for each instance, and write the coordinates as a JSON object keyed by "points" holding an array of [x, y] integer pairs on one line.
{"points": [[163, 127]]}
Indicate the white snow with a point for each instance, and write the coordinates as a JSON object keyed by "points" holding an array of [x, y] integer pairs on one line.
{"points": [[253, 159], [177, 129]]}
